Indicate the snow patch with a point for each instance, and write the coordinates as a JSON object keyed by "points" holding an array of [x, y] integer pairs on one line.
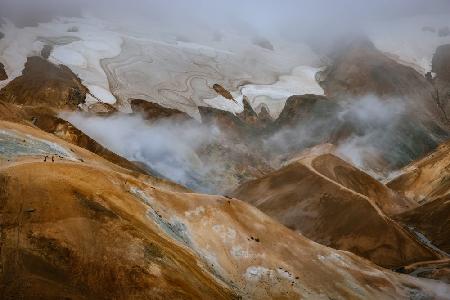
{"points": [[81, 51], [101, 94], [301, 81], [223, 103], [407, 42], [68, 57]]}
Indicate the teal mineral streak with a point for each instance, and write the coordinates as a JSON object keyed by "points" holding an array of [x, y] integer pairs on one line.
{"points": [[14, 144], [174, 229]]}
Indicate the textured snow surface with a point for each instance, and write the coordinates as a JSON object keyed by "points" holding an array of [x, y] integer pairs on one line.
{"points": [[273, 96], [80, 50], [406, 41], [301, 81], [101, 94], [116, 64]]}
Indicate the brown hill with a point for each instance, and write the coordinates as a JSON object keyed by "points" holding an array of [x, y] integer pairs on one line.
{"points": [[431, 224], [333, 203], [354, 179], [432, 220], [427, 178], [154, 111], [441, 83], [46, 119], [305, 108], [441, 62], [84, 228], [3, 75], [359, 68], [43, 83], [426, 181]]}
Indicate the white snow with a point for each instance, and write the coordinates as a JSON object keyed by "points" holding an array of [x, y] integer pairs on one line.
{"points": [[405, 40], [205, 50], [173, 72], [101, 94], [15, 47], [179, 74], [84, 56], [301, 81], [81, 53], [89, 100], [68, 57], [223, 103]]}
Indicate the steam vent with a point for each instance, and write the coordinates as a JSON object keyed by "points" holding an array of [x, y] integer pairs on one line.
{"points": [[251, 150]]}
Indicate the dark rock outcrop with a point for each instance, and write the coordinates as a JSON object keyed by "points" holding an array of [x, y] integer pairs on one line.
{"points": [[264, 115], [3, 75], [302, 108], [429, 29], [243, 124], [43, 83], [444, 31], [73, 29], [263, 43], [154, 111], [441, 62], [248, 115], [46, 51], [441, 66], [222, 91], [359, 69], [225, 120]]}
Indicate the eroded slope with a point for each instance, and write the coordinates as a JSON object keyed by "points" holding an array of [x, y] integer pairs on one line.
{"points": [[82, 227], [330, 202]]}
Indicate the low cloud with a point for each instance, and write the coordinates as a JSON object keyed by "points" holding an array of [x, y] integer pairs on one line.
{"points": [[167, 147], [377, 135]]}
